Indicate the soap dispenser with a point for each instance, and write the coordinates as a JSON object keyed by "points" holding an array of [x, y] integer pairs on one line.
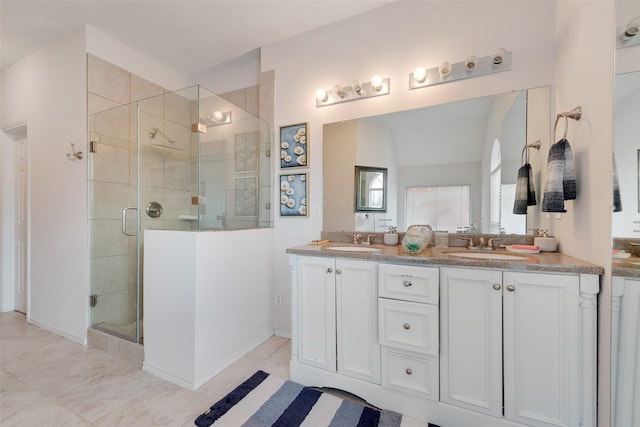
{"points": [[544, 241]]}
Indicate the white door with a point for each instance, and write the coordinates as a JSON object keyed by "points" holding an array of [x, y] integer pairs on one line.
{"points": [[471, 339], [542, 349], [356, 309], [21, 175], [317, 312]]}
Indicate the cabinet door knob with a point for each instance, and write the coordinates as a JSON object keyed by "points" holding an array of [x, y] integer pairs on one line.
{"points": [[497, 287], [407, 326], [407, 284], [329, 270], [409, 371], [338, 271], [511, 288]]}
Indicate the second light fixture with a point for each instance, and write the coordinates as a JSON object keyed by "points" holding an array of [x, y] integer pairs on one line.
{"points": [[376, 87]]}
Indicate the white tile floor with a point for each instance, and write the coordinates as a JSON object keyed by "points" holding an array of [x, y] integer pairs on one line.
{"points": [[46, 380]]}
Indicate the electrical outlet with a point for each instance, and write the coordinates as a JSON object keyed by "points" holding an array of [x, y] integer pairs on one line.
{"points": [[277, 298]]}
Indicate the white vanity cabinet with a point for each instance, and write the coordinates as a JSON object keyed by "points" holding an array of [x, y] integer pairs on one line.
{"points": [[453, 345], [517, 330], [625, 343], [409, 329], [337, 300]]}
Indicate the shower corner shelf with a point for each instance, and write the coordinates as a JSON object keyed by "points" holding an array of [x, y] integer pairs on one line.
{"points": [[187, 217]]}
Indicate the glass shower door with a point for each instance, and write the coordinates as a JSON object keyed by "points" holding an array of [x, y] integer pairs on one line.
{"points": [[143, 173], [113, 222]]}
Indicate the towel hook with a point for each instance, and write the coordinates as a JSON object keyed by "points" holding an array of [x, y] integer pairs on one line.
{"points": [[74, 155], [574, 114]]}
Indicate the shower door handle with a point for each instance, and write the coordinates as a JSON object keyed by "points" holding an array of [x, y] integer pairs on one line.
{"points": [[124, 221]]}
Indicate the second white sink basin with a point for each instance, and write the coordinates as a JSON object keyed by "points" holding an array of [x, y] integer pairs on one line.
{"points": [[353, 249], [488, 256]]}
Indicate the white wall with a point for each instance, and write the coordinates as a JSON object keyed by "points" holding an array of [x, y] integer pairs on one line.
{"points": [[47, 91], [392, 41], [584, 76]]}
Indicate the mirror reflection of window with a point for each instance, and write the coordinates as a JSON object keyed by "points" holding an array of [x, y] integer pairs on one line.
{"points": [[445, 208], [375, 193]]}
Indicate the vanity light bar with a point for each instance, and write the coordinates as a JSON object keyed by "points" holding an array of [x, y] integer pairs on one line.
{"points": [[471, 67], [376, 87]]}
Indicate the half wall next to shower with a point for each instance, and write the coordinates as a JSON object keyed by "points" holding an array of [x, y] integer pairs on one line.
{"points": [[183, 160]]}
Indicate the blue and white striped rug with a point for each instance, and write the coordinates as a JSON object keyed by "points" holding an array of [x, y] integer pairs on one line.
{"points": [[265, 401]]}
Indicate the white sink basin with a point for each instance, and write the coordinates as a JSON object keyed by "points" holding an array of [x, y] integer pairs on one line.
{"points": [[489, 256], [353, 249]]}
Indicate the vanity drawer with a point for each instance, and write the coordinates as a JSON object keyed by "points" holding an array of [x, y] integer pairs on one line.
{"points": [[408, 325], [418, 284], [410, 373]]}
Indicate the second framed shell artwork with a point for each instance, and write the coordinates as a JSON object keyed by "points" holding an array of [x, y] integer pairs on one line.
{"points": [[294, 146]]}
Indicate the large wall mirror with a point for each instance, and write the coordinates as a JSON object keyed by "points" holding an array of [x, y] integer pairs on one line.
{"points": [[453, 166], [625, 224]]}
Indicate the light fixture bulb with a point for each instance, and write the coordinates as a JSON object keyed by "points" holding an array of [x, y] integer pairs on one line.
{"points": [[470, 63], [632, 29], [218, 116], [376, 82], [357, 87], [498, 57], [420, 74], [321, 95], [445, 69], [337, 89]]}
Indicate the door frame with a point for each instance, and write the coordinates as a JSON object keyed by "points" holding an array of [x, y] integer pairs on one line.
{"points": [[8, 217]]}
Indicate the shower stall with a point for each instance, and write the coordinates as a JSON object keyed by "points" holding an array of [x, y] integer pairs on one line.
{"points": [[185, 160]]}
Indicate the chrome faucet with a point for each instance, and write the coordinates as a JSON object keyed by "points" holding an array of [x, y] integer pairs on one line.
{"points": [[471, 245], [368, 241], [355, 238], [490, 246]]}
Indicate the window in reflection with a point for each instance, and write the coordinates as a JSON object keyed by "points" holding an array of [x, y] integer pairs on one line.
{"points": [[443, 208]]}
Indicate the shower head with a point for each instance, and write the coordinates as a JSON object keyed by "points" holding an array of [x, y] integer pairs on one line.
{"points": [[153, 132]]}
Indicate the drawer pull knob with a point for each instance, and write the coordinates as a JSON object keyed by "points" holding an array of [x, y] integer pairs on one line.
{"points": [[511, 288], [338, 271], [409, 371], [407, 284], [497, 287], [329, 270], [407, 326]]}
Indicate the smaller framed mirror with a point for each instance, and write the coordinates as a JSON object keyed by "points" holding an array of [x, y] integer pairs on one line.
{"points": [[370, 189]]}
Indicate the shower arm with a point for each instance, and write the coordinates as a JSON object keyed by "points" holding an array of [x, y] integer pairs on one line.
{"points": [[154, 131]]}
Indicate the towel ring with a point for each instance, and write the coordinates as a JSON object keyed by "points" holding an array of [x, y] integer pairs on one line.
{"points": [[526, 147], [574, 114]]}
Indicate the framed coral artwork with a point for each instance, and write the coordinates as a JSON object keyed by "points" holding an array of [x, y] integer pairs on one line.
{"points": [[294, 146], [293, 195]]}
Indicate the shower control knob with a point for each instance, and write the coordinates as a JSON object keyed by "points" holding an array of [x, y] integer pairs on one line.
{"points": [[154, 209]]}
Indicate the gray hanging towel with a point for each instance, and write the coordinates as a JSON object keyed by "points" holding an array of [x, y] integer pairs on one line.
{"points": [[617, 201], [561, 178], [525, 191]]}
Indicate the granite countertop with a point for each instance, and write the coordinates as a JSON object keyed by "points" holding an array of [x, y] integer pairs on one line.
{"points": [[629, 267], [544, 261]]}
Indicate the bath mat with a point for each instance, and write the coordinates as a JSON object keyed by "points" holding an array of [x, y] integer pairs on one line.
{"points": [[265, 401]]}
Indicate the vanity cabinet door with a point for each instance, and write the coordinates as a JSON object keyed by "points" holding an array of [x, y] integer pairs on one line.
{"points": [[471, 339], [542, 349], [356, 310], [316, 312]]}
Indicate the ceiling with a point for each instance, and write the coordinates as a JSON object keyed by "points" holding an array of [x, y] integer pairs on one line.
{"points": [[192, 37]]}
